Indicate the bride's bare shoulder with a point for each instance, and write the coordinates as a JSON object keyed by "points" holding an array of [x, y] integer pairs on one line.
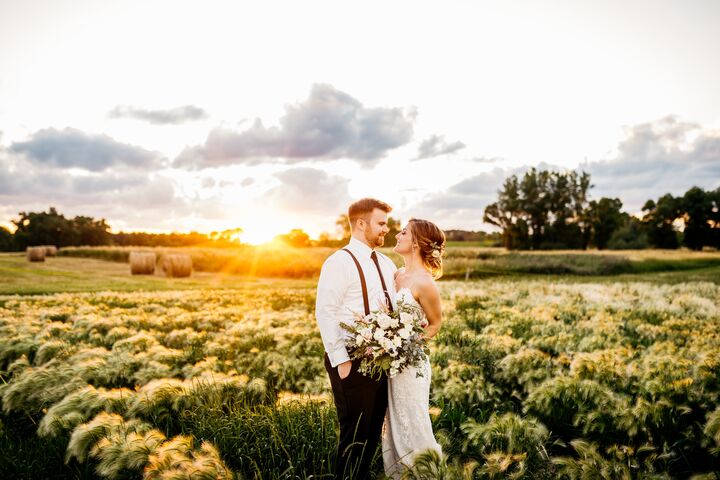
{"points": [[399, 271], [426, 287]]}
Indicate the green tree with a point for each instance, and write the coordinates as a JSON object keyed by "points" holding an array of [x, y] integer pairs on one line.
{"points": [[715, 217], [580, 187], [52, 228], [295, 238], [43, 228], [327, 240], [90, 231], [696, 208], [394, 227], [536, 196], [144, 239], [507, 214], [629, 236], [543, 210], [6, 240], [567, 211], [659, 221], [342, 226], [605, 217], [227, 238]]}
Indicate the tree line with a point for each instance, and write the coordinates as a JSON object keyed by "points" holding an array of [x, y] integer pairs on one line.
{"points": [[552, 210], [53, 228], [541, 210]]}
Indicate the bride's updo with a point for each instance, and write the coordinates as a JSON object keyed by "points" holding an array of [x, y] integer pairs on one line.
{"points": [[431, 241]]}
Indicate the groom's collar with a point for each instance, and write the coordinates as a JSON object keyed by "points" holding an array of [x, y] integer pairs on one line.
{"points": [[359, 248]]}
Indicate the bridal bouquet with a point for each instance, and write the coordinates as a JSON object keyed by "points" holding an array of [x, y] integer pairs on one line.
{"points": [[388, 342]]}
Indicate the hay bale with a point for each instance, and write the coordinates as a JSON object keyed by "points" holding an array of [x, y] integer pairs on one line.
{"points": [[177, 265], [36, 254], [142, 263], [50, 250]]}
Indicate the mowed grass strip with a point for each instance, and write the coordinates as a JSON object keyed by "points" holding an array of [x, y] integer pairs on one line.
{"points": [[461, 261], [69, 274]]}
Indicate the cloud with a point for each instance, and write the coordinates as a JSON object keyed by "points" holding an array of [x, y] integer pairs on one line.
{"points": [[435, 145], [144, 200], [310, 191], [462, 205], [107, 183], [485, 159], [328, 125], [73, 148], [655, 158], [173, 116]]}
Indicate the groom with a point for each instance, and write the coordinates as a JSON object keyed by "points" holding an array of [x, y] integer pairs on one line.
{"points": [[355, 280]]}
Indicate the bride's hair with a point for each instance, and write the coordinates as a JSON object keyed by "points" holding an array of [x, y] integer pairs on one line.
{"points": [[431, 241]]}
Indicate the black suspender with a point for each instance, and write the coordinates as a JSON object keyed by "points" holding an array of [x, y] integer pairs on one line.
{"points": [[366, 302], [382, 281]]}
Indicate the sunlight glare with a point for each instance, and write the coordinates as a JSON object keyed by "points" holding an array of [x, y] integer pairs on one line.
{"points": [[259, 234]]}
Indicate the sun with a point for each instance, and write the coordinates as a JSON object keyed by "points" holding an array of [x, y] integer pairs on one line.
{"points": [[258, 234]]}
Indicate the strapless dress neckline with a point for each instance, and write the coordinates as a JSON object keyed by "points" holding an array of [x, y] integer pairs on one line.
{"points": [[406, 295]]}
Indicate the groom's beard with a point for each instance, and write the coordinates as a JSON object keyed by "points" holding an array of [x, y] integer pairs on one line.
{"points": [[377, 241]]}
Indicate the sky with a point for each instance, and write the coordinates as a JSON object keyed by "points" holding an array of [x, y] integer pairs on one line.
{"points": [[178, 116]]}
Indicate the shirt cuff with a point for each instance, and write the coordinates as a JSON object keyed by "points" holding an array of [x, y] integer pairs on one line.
{"points": [[338, 356]]}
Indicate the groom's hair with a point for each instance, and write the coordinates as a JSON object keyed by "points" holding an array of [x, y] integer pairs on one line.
{"points": [[364, 207]]}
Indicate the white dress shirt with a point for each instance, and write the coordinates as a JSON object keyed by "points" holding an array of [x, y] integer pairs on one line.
{"points": [[340, 298]]}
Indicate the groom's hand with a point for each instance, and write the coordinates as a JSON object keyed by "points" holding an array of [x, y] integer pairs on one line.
{"points": [[344, 369]]}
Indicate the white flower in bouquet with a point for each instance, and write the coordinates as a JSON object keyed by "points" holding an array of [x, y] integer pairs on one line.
{"points": [[384, 321], [406, 318], [388, 342], [379, 334], [366, 333]]}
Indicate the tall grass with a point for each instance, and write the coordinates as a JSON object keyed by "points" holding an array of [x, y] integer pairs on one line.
{"points": [[531, 379]]}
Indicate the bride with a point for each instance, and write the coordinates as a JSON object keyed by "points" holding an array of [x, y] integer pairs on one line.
{"points": [[407, 430]]}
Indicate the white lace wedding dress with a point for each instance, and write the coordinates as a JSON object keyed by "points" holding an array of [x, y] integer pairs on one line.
{"points": [[407, 430]]}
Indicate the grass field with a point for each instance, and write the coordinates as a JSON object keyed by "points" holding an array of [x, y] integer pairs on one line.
{"points": [[73, 274], [70, 273], [106, 375]]}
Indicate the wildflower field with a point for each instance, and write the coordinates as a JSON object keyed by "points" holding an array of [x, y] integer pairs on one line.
{"points": [[533, 377]]}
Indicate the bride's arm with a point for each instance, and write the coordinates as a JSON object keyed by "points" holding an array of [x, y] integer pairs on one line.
{"points": [[428, 296]]}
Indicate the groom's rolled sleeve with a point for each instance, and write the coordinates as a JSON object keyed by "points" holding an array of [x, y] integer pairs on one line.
{"points": [[331, 290]]}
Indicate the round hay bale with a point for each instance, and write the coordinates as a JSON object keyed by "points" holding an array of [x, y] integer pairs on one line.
{"points": [[177, 265], [36, 254], [50, 250], [142, 263]]}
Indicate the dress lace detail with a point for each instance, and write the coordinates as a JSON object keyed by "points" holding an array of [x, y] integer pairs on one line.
{"points": [[407, 430]]}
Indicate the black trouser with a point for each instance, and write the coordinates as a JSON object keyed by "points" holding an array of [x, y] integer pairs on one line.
{"points": [[361, 403]]}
